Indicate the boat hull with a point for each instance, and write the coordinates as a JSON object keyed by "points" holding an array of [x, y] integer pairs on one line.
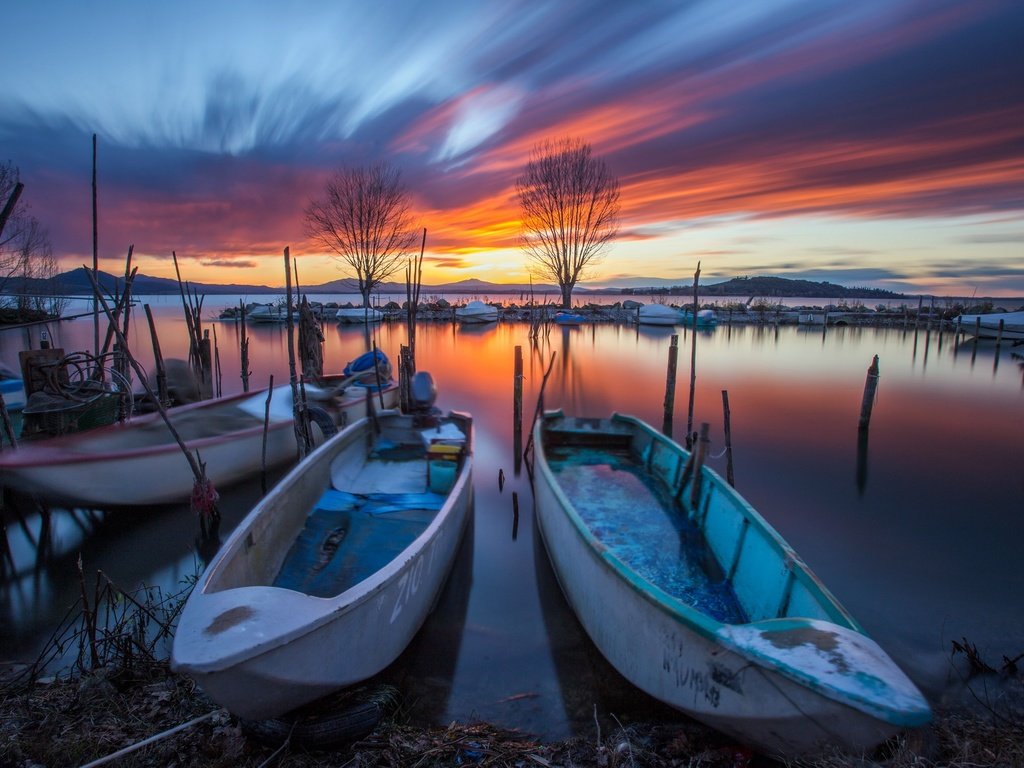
{"points": [[698, 667], [358, 315], [107, 467], [987, 326], [329, 643]]}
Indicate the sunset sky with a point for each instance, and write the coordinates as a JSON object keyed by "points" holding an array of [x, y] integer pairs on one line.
{"points": [[873, 143]]}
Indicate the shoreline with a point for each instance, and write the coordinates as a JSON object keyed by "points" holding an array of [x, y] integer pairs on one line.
{"points": [[75, 720]]}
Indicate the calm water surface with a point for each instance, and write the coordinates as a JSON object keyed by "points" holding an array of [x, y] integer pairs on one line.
{"points": [[917, 531]]}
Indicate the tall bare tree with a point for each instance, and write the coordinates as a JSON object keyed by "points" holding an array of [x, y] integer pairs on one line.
{"points": [[569, 202], [25, 251], [364, 219]]}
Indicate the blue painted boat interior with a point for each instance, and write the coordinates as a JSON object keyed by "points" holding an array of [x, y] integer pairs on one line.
{"points": [[638, 523], [631, 487], [349, 537]]}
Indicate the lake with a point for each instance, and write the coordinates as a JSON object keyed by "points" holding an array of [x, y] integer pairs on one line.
{"points": [[916, 530]]}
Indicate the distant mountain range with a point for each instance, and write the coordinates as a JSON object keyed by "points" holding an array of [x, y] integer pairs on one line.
{"points": [[76, 282]]}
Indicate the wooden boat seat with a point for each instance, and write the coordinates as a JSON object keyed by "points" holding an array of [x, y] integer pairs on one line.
{"points": [[349, 537]]}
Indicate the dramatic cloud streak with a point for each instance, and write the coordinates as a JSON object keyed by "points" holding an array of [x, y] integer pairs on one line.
{"points": [[758, 138]]}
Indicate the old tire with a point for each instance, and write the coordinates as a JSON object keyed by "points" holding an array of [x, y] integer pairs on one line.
{"points": [[323, 422], [332, 722]]}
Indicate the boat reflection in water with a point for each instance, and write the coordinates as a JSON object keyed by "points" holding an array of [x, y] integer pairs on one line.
{"points": [[885, 522]]}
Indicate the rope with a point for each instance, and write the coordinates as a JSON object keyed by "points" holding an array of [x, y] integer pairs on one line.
{"points": [[721, 454]]}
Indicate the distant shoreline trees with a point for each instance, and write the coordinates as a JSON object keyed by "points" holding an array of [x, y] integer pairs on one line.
{"points": [[569, 202], [364, 220]]}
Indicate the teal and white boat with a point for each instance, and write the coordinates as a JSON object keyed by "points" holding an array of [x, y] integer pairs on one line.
{"points": [[699, 602]]}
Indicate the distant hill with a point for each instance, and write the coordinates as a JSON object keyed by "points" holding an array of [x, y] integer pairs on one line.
{"points": [[774, 287], [76, 282]]}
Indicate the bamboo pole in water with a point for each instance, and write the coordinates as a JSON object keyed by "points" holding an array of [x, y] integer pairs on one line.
{"points": [[95, 256], [727, 418], [243, 345], [298, 413], [999, 336], [540, 403], [670, 387], [700, 452], [870, 386], [693, 360], [158, 358], [266, 428], [517, 396]]}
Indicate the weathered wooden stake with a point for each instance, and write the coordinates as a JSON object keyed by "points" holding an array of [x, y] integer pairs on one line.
{"points": [[540, 403], [243, 344], [693, 360], [999, 336], [700, 450], [728, 439], [299, 421], [515, 515], [917, 318], [517, 398], [95, 256], [870, 386], [266, 428], [158, 359], [670, 387]]}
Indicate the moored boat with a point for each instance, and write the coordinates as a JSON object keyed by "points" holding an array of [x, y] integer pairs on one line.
{"points": [[698, 601], [569, 318], [706, 318], [139, 462], [987, 326], [269, 313], [359, 315], [477, 312], [658, 314], [329, 577]]}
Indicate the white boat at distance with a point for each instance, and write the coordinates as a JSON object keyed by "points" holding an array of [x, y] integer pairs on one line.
{"points": [[705, 607], [269, 313], [477, 312], [329, 577], [139, 462], [987, 326], [359, 315], [658, 314]]}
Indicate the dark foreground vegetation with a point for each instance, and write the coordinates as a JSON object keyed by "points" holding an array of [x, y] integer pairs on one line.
{"points": [[78, 720], [119, 704]]}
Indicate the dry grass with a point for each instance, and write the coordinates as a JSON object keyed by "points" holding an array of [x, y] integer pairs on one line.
{"points": [[73, 721], [130, 695]]}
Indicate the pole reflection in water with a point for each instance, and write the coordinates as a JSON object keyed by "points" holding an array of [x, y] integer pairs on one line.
{"points": [[934, 532]]}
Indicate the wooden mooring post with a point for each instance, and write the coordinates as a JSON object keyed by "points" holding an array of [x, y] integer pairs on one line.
{"points": [[727, 419], [517, 408], [700, 451], [870, 387], [158, 359], [693, 359], [670, 387]]}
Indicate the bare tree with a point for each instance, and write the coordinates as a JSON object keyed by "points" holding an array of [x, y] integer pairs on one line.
{"points": [[364, 219], [569, 203], [25, 252]]}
